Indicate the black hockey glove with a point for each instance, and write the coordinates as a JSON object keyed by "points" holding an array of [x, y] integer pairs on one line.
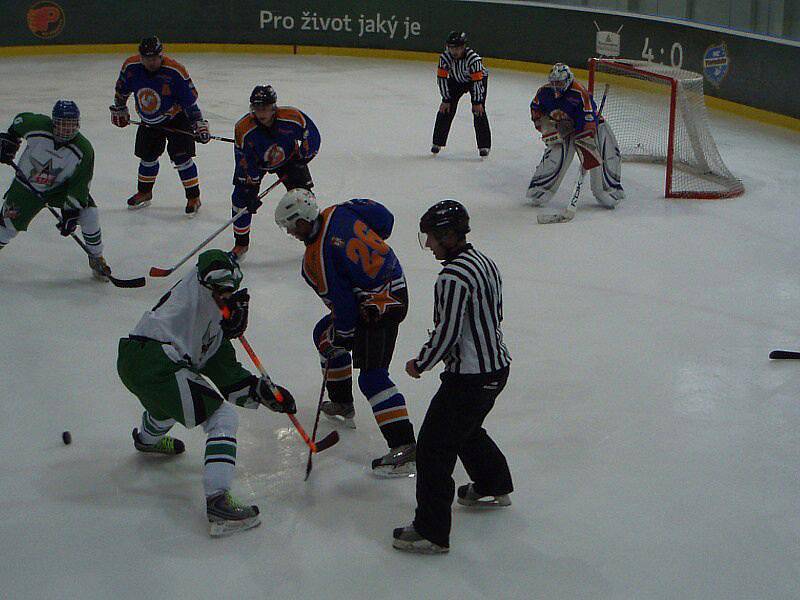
{"points": [[260, 392], [251, 198], [9, 145], [236, 323], [69, 221], [201, 132], [332, 344]]}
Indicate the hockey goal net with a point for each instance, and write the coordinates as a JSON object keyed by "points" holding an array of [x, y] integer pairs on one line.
{"points": [[658, 114]]}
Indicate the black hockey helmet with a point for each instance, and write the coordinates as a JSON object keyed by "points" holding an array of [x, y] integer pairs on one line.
{"points": [[456, 38], [445, 215], [263, 95], [150, 46]]}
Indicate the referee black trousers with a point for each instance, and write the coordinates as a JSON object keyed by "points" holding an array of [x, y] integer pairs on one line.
{"points": [[453, 428], [441, 128]]}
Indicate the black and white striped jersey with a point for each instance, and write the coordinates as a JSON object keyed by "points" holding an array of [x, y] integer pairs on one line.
{"points": [[467, 312], [468, 69]]}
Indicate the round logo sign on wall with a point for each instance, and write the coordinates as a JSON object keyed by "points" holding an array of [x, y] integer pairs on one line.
{"points": [[45, 19]]}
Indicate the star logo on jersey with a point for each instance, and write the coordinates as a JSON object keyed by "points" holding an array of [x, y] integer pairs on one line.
{"points": [[274, 156], [43, 172], [381, 300], [149, 101]]}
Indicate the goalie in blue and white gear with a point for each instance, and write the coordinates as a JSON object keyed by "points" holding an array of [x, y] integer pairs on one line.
{"points": [[565, 113]]}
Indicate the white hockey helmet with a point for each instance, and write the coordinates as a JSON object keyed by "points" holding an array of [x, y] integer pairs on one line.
{"points": [[560, 78], [296, 204]]}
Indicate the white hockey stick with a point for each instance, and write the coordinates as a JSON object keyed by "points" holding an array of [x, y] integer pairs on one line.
{"points": [[572, 207]]}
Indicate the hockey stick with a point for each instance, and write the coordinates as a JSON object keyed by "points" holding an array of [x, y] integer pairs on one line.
{"points": [[159, 272], [784, 354], [309, 464], [313, 447], [572, 207], [136, 282], [183, 131]]}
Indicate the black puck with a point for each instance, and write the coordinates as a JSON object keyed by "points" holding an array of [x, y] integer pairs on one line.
{"points": [[67, 437]]}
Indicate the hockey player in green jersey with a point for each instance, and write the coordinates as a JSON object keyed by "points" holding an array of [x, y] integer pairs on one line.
{"points": [[58, 162], [167, 360]]}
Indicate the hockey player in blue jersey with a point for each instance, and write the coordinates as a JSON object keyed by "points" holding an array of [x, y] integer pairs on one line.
{"points": [[165, 96], [269, 139], [565, 113], [358, 277]]}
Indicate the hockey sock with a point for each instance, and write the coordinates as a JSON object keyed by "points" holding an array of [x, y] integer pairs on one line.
{"points": [[148, 171], [188, 173], [339, 382], [388, 406], [220, 458], [152, 429], [90, 229]]}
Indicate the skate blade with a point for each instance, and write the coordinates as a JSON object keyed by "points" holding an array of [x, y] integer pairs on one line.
{"points": [[486, 502], [99, 276], [348, 422], [193, 214], [392, 472], [224, 528], [138, 206], [420, 547]]}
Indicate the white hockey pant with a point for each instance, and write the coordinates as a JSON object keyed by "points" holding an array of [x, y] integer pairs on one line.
{"points": [[220, 461], [606, 180]]}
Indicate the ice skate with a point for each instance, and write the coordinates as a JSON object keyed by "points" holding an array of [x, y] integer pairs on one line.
{"points": [[227, 516], [340, 412], [192, 207], [398, 462], [538, 196], [166, 445], [99, 267], [140, 200], [239, 251], [408, 540], [483, 152], [435, 149], [467, 496]]}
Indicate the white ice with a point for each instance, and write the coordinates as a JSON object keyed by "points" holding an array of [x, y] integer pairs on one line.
{"points": [[653, 445]]}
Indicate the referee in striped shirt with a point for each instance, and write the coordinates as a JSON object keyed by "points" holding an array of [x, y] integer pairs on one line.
{"points": [[468, 310], [460, 71]]}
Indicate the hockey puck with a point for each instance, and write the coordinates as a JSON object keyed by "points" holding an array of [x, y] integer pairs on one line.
{"points": [[67, 437]]}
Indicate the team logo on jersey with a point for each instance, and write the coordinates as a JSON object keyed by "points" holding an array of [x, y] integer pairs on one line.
{"points": [[716, 64], [274, 155], [45, 19], [149, 100], [43, 173]]}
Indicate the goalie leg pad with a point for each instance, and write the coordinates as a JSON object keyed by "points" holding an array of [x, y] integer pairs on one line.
{"points": [[220, 457], [606, 181], [549, 173]]}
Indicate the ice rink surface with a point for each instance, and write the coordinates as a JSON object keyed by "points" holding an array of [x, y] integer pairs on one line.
{"points": [[654, 447]]}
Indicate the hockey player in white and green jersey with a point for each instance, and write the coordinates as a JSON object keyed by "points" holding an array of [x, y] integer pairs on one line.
{"points": [[167, 360], [58, 162]]}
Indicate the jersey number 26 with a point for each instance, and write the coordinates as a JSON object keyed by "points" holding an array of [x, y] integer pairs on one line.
{"points": [[367, 248]]}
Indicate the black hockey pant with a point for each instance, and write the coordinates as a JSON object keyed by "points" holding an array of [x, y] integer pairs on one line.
{"points": [[441, 129], [453, 428]]}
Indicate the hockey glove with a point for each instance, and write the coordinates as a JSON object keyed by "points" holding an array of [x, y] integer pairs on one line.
{"points": [[332, 344], [9, 144], [261, 392], [236, 324], [69, 221], [251, 199], [120, 115], [201, 131]]}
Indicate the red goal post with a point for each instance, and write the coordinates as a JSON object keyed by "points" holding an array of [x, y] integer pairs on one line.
{"points": [[658, 114]]}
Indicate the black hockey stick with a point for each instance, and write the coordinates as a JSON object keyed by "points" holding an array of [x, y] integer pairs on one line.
{"points": [[309, 464], [784, 354], [219, 138], [136, 282]]}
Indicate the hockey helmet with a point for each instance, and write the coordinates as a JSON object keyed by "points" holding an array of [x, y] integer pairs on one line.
{"points": [[296, 204], [66, 120], [560, 78], [150, 46], [218, 271], [456, 38], [446, 215], [263, 95]]}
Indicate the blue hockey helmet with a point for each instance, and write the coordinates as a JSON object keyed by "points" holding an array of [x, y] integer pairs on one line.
{"points": [[66, 120]]}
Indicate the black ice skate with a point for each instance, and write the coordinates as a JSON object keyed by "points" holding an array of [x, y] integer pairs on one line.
{"points": [[408, 540], [435, 149], [399, 462], [483, 151], [340, 412], [192, 207], [467, 496], [140, 200], [166, 445], [226, 515]]}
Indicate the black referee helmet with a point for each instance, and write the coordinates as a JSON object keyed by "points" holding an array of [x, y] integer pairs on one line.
{"points": [[456, 38], [446, 215]]}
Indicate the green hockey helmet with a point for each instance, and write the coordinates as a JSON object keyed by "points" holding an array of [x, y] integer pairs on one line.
{"points": [[218, 271]]}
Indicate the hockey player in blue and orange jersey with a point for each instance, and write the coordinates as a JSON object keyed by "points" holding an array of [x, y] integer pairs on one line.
{"points": [[269, 139], [165, 97], [358, 277], [565, 113]]}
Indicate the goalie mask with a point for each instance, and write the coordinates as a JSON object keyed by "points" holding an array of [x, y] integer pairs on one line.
{"points": [[218, 271], [560, 78], [66, 120]]}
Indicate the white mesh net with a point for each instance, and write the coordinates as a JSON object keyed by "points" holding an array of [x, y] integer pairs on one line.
{"points": [[638, 108]]}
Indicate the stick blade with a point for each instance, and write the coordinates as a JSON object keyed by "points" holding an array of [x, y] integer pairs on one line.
{"points": [[136, 282], [329, 440], [309, 465], [159, 272], [555, 218], [784, 354]]}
